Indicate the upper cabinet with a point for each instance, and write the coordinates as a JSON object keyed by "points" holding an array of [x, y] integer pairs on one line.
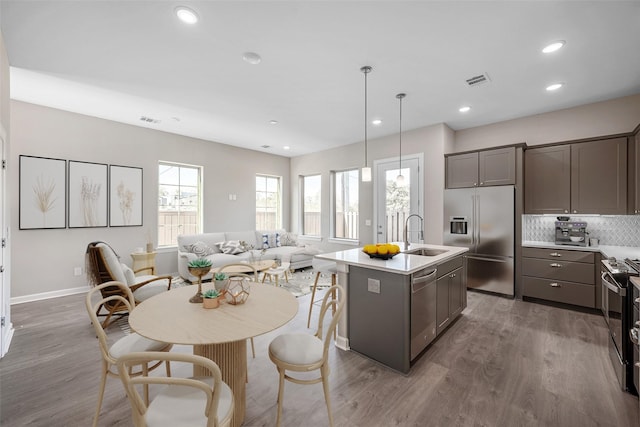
{"points": [[547, 180], [634, 175], [581, 178], [482, 168]]}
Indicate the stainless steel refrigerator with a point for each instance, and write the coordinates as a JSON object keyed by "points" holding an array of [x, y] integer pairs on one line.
{"points": [[483, 220]]}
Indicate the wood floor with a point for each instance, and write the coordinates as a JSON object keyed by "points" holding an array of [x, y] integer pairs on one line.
{"points": [[503, 363]]}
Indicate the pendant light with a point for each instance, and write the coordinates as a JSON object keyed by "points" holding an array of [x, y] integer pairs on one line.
{"points": [[400, 178], [366, 170]]}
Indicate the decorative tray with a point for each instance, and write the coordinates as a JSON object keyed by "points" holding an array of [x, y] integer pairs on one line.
{"points": [[379, 256]]}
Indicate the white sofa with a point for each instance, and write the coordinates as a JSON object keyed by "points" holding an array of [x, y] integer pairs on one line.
{"points": [[190, 247]]}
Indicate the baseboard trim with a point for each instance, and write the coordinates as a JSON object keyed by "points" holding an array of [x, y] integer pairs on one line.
{"points": [[49, 295]]}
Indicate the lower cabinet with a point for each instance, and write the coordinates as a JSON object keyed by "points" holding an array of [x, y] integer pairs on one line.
{"points": [[451, 295], [564, 276]]}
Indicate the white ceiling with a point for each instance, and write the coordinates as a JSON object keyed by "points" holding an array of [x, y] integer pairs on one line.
{"points": [[121, 60]]}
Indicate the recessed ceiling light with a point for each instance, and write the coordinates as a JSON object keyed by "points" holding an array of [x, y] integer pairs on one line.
{"points": [[554, 86], [186, 15], [286, 147], [251, 57], [376, 122], [273, 122], [553, 46], [464, 109]]}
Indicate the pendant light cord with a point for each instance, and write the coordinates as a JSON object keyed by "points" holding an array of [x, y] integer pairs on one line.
{"points": [[400, 96]]}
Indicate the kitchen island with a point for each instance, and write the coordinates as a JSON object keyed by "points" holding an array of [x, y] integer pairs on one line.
{"points": [[396, 307]]}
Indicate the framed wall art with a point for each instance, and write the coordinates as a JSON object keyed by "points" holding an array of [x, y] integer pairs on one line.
{"points": [[125, 196], [43, 193], [88, 186]]}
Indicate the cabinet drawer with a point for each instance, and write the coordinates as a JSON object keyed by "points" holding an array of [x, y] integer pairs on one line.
{"points": [[559, 254], [565, 292], [559, 270], [449, 266]]}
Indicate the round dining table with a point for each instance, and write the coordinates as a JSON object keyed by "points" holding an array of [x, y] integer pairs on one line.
{"points": [[219, 334]]}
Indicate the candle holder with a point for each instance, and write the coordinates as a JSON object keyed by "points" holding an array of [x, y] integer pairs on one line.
{"points": [[198, 272]]}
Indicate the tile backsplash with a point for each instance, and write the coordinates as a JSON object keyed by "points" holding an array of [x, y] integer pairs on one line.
{"points": [[614, 230]]}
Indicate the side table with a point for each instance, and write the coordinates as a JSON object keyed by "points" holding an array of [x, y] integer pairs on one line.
{"points": [[146, 260]]}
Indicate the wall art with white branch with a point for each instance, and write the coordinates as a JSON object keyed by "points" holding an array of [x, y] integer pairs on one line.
{"points": [[125, 196], [42, 194], [87, 194]]}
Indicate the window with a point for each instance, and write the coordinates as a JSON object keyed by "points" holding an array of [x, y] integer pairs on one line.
{"points": [[311, 186], [268, 203], [179, 202], [345, 204]]}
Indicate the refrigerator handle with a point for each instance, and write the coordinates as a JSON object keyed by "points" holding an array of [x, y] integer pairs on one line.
{"points": [[473, 219], [476, 221]]}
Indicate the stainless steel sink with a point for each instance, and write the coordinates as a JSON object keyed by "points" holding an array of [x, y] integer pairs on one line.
{"points": [[426, 252]]}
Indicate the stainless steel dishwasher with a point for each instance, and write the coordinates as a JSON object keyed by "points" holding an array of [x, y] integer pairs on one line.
{"points": [[423, 309]]}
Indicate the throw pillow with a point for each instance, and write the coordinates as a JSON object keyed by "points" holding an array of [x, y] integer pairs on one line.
{"points": [[201, 249], [289, 239], [128, 274], [231, 247], [271, 240]]}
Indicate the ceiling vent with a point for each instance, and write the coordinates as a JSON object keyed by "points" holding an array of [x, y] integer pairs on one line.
{"points": [[265, 146], [478, 80], [149, 119]]}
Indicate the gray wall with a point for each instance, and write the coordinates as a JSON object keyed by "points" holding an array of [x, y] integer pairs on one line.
{"points": [[45, 259], [611, 117], [430, 141]]}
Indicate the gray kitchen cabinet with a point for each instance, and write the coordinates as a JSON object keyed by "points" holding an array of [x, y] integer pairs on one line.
{"points": [[599, 177], [565, 276], [634, 175], [481, 168], [581, 178], [450, 293], [547, 180]]}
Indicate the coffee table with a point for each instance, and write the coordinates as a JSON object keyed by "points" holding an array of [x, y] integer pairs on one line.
{"points": [[246, 267]]}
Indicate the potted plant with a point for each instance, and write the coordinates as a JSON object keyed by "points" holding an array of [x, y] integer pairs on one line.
{"points": [[211, 298], [199, 267], [220, 281]]}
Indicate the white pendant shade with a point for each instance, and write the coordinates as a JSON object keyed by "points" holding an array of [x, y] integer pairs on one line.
{"points": [[400, 180], [366, 174]]}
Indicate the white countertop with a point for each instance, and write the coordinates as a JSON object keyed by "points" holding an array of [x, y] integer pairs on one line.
{"points": [[401, 263], [620, 252]]}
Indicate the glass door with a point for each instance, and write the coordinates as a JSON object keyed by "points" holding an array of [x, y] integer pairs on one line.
{"points": [[394, 202]]}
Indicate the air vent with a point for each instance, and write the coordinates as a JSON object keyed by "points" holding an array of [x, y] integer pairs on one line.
{"points": [[478, 80], [265, 146], [149, 119]]}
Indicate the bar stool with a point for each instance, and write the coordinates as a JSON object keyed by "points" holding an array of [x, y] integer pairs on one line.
{"points": [[321, 266]]}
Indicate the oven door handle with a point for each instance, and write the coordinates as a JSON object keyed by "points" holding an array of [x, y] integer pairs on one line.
{"points": [[612, 285]]}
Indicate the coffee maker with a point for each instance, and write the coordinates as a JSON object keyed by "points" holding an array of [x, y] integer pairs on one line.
{"points": [[572, 233]]}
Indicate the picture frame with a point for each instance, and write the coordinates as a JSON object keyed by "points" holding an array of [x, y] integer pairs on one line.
{"points": [[42, 198], [125, 196], [87, 194]]}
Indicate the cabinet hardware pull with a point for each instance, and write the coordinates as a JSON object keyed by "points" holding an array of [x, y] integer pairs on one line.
{"points": [[475, 183], [452, 275], [482, 183], [638, 364], [555, 265], [566, 211], [575, 211], [637, 323], [555, 254], [554, 285], [637, 300]]}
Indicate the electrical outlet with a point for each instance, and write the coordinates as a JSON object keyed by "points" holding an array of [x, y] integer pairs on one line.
{"points": [[77, 271], [367, 222], [373, 285]]}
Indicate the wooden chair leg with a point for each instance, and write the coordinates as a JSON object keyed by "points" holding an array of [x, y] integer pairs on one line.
{"points": [[325, 387], [103, 382], [280, 393], [313, 295], [333, 306]]}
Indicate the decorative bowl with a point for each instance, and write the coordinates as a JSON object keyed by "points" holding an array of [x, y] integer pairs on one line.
{"points": [[380, 256]]}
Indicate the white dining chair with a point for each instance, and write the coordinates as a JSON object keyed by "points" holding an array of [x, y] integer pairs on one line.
{"points": [[303, 352], [129, 343], [178, 401]]}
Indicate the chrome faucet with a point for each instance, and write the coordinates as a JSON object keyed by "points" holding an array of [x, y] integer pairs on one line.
{"points": [[406, 234]]}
